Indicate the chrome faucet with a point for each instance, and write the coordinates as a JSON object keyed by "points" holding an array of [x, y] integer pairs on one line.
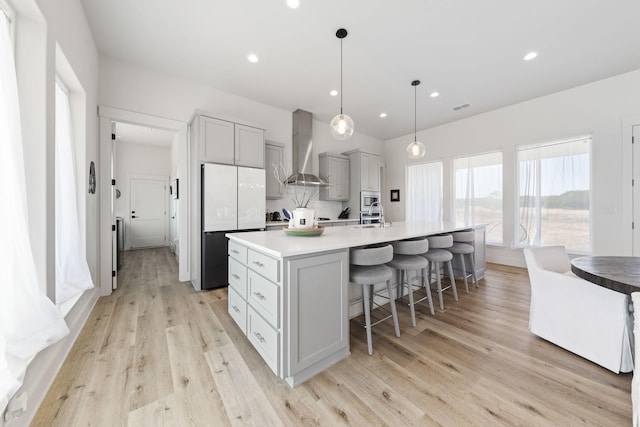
{"points": [[381, 215]]}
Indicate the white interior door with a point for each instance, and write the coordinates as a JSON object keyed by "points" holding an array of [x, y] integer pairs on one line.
{"points": [[148, 212], [636, 190]]}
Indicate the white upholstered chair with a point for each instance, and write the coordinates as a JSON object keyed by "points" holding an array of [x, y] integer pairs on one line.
{"points": [[575, 314]]}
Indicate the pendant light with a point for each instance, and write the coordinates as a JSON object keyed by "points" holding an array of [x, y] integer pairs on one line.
{"points": [[341, 125], [415, 149]]}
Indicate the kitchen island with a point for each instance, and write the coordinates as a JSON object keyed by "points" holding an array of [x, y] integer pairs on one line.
{"points": [[290, 295]]}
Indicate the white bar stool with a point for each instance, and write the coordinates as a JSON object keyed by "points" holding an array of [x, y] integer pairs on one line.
{"points": [[368, 267], [437, 256], [406, 258], [462, 246]]}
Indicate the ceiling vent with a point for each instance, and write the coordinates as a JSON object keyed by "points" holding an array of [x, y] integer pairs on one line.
{"points": [[461, 107]]}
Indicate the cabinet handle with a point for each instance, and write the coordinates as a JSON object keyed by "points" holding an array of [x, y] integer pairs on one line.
{"points": [[258, 263], [259, 295], [235, 308], [234, 251], [259, 337], [235, 276]]}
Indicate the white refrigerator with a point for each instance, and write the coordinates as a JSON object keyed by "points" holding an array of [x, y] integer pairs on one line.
{"points": [[233, 200]]}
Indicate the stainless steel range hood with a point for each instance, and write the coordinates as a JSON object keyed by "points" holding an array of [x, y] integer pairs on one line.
{"points": [[302, 161]]}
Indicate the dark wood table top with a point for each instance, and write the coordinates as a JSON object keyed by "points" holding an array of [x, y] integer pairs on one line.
{"points": [[619, 273]]}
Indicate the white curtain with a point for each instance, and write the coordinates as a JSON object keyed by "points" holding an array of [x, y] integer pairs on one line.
{"points": [[29, 321], [478, 192], [72, 272], [424, 192], [553, 194]]}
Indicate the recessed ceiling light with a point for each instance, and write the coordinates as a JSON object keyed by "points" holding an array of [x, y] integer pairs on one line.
{"points": [[252, 58], [333, 93], [529, 56], [293, 4], [435, 94], [383, 115]]}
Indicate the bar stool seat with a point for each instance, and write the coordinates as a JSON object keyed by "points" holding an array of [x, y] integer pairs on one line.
{"points": [[437, 256], [463, 248], [406, 258], [368, 268]]}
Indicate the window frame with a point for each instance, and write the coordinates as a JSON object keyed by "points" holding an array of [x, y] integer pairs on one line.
{"points": [[454, 185], [517, 194]]}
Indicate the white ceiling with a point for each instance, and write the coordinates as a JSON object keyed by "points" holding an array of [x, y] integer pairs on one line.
{"points": [[468, 50]]}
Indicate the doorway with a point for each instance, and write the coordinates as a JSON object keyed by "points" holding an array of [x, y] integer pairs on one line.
{"points": [[112, 159]]}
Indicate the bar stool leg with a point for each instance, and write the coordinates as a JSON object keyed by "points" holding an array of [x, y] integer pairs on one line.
{"points": [[411, 306], [439, 284], [453, 281], [427, 288], [394, 313], [400, 286], [367, 315], [473, 270], [464, 273]]}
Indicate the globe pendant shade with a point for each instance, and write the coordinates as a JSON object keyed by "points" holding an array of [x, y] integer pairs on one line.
{"points": [[342, 126], [416, 150]]}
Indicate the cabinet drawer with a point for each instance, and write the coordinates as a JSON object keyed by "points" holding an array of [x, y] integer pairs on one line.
{"points": [[238, 309], [263, 296], [264, 338], [238, 251], [238, 277], [265, 265]]}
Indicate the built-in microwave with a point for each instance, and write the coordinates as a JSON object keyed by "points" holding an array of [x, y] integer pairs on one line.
{"points": [[367, 198]]}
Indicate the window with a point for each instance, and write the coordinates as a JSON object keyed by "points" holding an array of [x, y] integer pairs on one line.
{"points": [[72, 272], [424, 192], [553, 194], [29, 322], [478, 192]]}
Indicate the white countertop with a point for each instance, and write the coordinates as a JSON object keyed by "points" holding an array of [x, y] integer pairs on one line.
{"points": [[281, 245]]}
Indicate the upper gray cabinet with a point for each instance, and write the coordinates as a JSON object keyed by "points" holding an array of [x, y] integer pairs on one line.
{"points": [[334, 169], [222, 141], [365, 171], [273, 158]]}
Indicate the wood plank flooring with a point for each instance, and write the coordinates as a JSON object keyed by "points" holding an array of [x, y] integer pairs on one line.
{"points": [[156, 353]]}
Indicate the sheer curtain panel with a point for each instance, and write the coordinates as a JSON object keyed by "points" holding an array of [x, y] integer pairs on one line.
{"points": [[478, 192], [72, 272], [553, 195], [29, 321], [424, 192]]}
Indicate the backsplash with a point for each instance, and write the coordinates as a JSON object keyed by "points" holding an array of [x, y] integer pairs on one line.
{"points": [[329, 210]]}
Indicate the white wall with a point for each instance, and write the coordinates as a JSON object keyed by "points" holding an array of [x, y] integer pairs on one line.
{"points": [[135, 160], [597, 108]]}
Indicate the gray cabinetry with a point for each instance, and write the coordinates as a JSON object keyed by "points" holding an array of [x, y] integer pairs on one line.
{"points": [[273, 158], [294, 310], [223, 141], [334, 169]]}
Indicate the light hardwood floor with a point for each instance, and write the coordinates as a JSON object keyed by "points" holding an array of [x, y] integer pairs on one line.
{"points": [[157, 353]]}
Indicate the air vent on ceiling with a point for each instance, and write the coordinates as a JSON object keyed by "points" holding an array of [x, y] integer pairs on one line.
{"points": [[461, 107]]}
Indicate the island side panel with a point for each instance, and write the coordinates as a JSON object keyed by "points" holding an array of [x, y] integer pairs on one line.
{"points": [[317, 332]]}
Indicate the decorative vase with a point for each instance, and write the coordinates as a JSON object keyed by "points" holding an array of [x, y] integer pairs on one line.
{"points": [[303, 218]]}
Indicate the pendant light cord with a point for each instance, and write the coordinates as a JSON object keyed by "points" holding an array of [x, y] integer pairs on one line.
{"points": [[340, 76], [415, 113]]}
